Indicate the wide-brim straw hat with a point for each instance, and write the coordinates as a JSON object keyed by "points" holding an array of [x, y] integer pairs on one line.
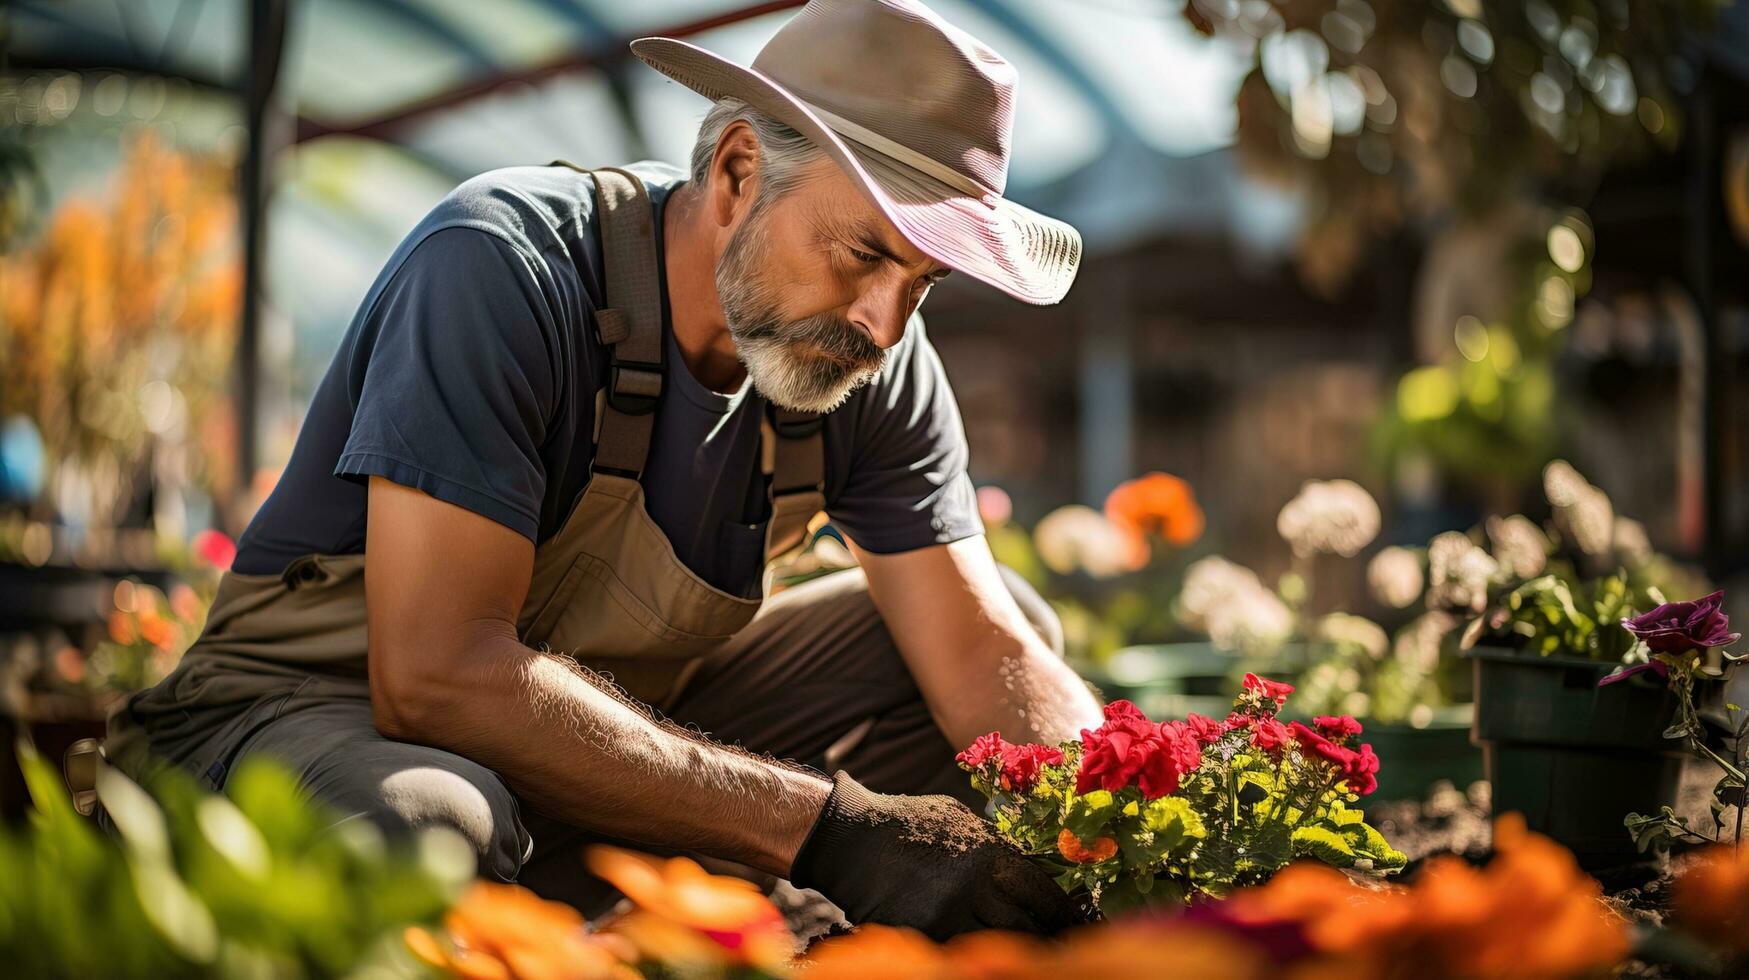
{"points": [[917, 113]]}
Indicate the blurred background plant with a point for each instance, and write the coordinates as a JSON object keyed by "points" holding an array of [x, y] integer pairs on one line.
{"points": [[1482, 131], [117, 320], [1109, 573], [257, 882]]}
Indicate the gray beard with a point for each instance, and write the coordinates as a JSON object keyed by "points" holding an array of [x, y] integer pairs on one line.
{"points": [[807, 365]]}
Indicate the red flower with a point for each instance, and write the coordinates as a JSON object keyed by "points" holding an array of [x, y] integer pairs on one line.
{"points": [[982, 750], [1269, 735], [215, 549], [1361, 772], [1317, 745], [1121, 709], [1207, 730], [1238, 720], [1131, 750], [1268, 688], [1337, 727], [1359, 767], [1021, 765]]}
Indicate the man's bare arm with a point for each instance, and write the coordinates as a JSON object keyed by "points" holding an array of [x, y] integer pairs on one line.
{"points": [[979, 663], [443, 586]]}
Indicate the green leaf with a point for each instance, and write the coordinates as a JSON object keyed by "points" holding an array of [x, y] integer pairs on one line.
{"points": [[1089, 814], [135, 814], [1323, 844]]}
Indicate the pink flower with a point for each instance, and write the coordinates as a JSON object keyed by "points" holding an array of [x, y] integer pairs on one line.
{"points": [[1275, 690], [1339, 728], [1207, 730], [1270, 735]]}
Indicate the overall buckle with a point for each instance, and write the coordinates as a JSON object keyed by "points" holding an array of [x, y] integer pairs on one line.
{"points": [[634, 387]]}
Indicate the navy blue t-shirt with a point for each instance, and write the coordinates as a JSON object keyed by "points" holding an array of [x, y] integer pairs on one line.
{"points": [[470, 372]]}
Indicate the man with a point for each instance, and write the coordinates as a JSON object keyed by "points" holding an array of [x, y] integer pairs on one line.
{"points": [[571, 422]]}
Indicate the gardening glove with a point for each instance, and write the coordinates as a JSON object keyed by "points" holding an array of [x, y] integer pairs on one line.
{"points": [[926, 862]]}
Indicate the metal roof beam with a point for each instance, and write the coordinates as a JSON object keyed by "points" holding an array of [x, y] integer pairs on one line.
{"points": [[383, 127]]}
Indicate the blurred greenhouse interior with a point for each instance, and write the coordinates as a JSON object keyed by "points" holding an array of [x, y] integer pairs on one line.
{"points": [[1431, 248]]}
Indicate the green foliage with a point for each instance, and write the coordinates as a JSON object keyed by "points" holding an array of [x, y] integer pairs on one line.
{"points": [[1559, 614], [257, 883], [1240, 816]]}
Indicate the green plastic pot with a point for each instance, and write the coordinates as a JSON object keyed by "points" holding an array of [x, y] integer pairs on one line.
{"points": [[1572, 757], [1413, 760]]}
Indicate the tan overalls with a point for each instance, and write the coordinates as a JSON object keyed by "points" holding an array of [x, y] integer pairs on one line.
{"points": [[280, 668]]}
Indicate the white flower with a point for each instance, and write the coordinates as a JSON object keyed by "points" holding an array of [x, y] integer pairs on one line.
{"points": [[1581, 510], [1358, 631], [1395, 578], [1520, 546], [1458, 572], [1329, 517], [1632, 547], [1076, 537], [1230, 604], [1417, 644]]}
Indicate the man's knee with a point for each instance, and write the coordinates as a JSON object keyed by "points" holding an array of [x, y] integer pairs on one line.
{"points": [[343, 763]]}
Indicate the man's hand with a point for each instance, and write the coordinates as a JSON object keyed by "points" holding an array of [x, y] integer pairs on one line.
{"points": [[979, 663], [925, 862], [443, 586]]}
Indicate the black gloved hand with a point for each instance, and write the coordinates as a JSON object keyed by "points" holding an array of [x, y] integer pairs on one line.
{"points": [[926, 862]]}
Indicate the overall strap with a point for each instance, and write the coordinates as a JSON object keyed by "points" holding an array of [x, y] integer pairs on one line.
{"points": [[797, 455], [630, 326]]}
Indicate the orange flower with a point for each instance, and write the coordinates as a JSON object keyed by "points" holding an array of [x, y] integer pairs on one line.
{"points": [[1156, 504], [70, 664], [1127, 951], [1081, 852], [122, 628], [686, 914], [506, 932], [876, 953], [185, 603], [1710, 898], [157, 630], [1530, 913], [1138, 950]]}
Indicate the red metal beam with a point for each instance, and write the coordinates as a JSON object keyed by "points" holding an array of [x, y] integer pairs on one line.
{"points": [[382, 127]]}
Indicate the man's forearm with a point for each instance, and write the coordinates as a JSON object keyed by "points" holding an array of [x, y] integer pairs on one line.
{"points": [[579, 753], [1016, 685]]}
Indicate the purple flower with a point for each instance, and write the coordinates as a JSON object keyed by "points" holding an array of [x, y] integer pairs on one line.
{"points": [[1678, 627], [1658, 667]]}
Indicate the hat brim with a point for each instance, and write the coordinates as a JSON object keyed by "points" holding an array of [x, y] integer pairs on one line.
{"points": [[1027, 255]]}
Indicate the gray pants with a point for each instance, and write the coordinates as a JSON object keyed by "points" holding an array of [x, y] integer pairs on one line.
{"points": [[815, 677]]}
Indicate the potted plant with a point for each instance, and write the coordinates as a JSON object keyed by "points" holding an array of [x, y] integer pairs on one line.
{"points": [[1571, 755]]}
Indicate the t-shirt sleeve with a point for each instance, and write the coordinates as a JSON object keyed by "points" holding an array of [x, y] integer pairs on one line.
{"points": [[453, 380], [906, 485]]}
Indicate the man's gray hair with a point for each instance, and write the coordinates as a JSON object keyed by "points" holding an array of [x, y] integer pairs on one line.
{"points": [[784, 154]]}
